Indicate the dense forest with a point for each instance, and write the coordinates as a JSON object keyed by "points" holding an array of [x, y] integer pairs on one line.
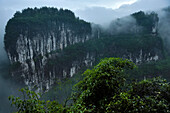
{"points": [[105, 89]]}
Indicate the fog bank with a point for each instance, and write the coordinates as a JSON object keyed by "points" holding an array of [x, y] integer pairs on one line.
{"points": [[164, 27]]}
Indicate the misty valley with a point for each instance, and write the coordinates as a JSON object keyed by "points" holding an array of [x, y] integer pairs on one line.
{"points": [[63, 64]]}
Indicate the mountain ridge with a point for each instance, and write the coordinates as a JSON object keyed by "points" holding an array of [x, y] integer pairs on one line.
{"points": [[47, 44]]}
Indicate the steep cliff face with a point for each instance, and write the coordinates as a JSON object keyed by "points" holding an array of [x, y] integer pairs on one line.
{"points": [[31, 36], [48, 44], [139, 49]]}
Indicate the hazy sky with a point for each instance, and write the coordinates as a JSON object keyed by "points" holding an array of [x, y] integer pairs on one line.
{"points": [[71, 4], [122, 8]]}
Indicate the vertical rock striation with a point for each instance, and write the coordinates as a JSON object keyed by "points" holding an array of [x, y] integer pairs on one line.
{"points": [[31, 37], [47, 44]]}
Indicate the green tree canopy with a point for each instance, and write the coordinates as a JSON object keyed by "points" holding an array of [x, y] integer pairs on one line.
{"points": [[104, 90]]}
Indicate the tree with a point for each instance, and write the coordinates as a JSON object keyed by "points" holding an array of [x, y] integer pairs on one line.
{"points": [[102, 83], [104, 89], [146, 96], [31, 103]]}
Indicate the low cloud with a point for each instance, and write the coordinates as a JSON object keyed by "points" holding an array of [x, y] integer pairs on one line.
{"points": [[103, 15], [124, 25], [164, 27], [98, 15]]}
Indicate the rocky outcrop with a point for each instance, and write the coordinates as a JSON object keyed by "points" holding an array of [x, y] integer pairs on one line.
{"points": [[31, 47], [48, 44], [32, 53]]}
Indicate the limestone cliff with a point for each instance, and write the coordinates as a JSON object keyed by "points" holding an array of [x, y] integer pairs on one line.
{"points": [[35, 33], [47, 44]]}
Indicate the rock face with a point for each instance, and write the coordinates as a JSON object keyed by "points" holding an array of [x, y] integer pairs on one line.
{"points": [[33, 43], [36, 42]]}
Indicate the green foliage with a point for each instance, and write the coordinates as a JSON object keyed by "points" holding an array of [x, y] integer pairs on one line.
{"points": [[30, 103], [102, 82], [147, 21], [152, 93], [152, 69], [104, 89], [125, 103]]}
